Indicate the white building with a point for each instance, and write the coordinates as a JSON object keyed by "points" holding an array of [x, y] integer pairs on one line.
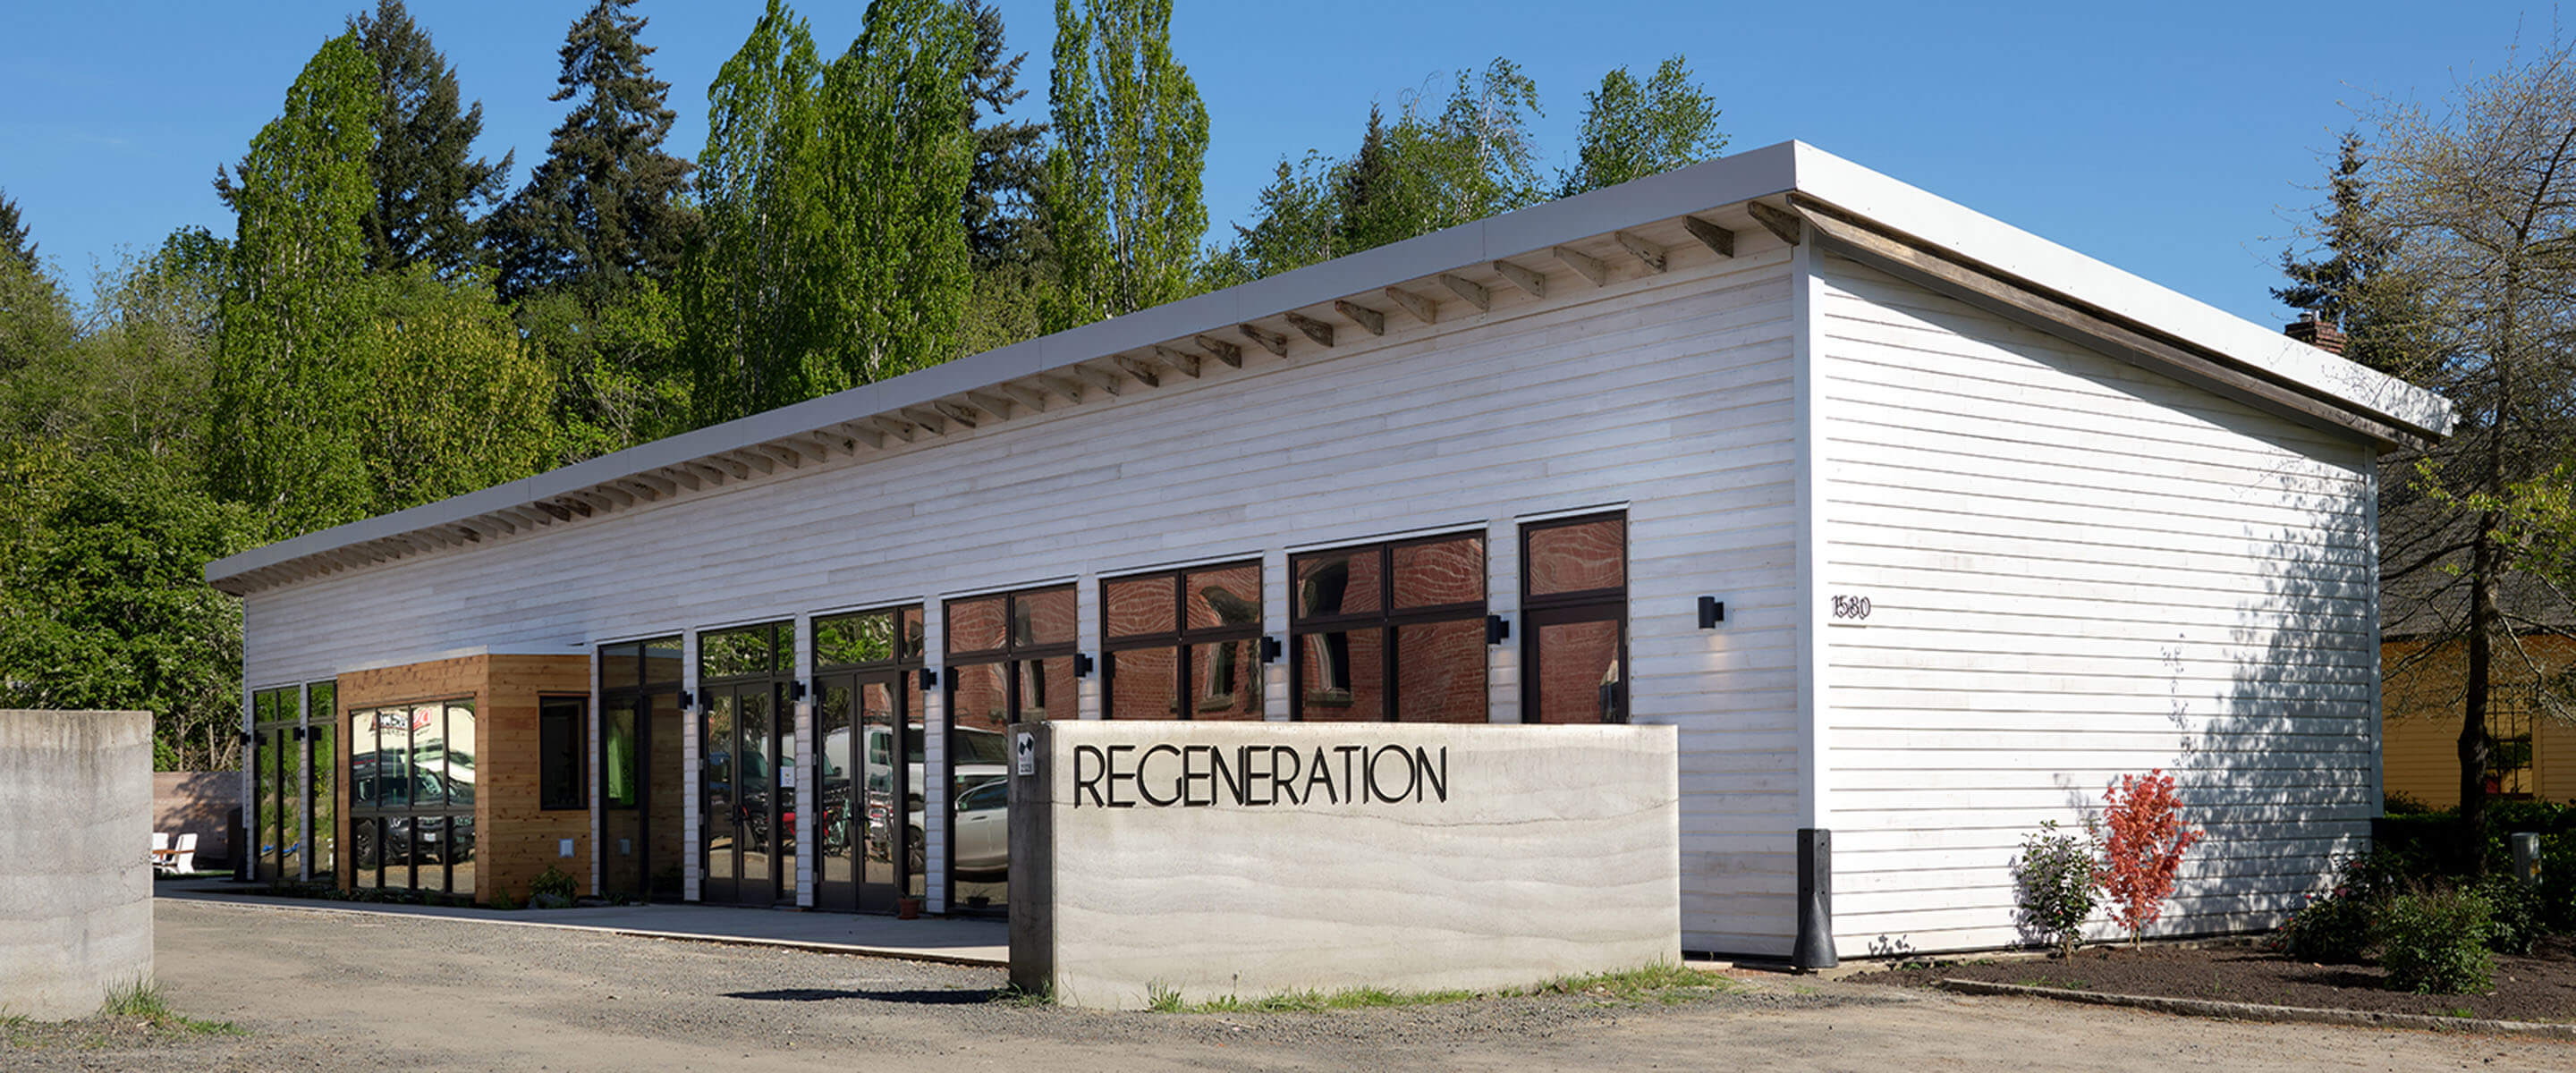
{"points": [[1981, 523]]}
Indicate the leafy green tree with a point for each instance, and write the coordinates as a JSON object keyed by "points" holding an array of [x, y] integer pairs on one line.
{"points": [[132, 384], [35, 315], [103, 603], [1473, 159], [1631, 131], [616, 368], [900, 148], [1120, 207], [607, 207], [457, 402], [2477, 202], [754, 294], [13, 235], [288, 371], [429, 187], [1299, 222], [836, 251]]}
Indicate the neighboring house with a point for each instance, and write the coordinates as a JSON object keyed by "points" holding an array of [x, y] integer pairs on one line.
{"points": [[1989, 522], [2425, 695]]}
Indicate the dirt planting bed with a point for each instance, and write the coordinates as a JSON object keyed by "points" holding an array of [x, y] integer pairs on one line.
{"points": [[2541, 987]]}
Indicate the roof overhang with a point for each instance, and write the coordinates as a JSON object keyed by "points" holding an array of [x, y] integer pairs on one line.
{"points": [[1794, 190]]}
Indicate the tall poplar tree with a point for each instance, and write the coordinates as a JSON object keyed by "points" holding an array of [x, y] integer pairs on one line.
{"points": [[899, 136], [430, 189], [607, 207], [1121, 206], [289, 364], [752, 296]]}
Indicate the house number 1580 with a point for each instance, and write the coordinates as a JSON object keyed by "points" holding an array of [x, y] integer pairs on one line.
{"points": [[1854, 608]]}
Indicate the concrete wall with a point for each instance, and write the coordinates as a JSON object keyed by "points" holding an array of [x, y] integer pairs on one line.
{"points": [[1186, 857], [75, 859], [198, 803]]}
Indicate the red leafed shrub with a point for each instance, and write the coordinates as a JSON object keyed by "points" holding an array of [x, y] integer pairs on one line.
{"points": [[2143, 839]]}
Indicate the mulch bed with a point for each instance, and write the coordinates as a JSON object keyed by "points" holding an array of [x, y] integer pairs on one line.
{"points": [[2541, 987]]}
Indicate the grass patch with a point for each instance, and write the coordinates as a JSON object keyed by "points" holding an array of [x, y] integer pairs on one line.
{"points": [[1011, 995], [143, 1001], [2061, 985], [1666, 983]]}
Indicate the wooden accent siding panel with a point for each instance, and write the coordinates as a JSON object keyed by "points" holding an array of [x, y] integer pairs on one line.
{"points": [[2076, 569], [1670, 392], [518, 839]]}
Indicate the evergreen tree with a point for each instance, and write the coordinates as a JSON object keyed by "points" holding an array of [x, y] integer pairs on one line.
{"points": [[1631, 131], [1009, 154], [1370, 205], [2347, 282], [1120, 208], [289, 366], [427, 189], [607, 206], [13, 235]]}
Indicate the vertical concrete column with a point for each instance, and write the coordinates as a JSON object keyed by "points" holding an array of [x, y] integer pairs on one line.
{"points": [[75, 860], [806, 846], [1277, 589], [692, 872]]}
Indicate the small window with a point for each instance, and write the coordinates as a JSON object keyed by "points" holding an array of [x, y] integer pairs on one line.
{"points": [[1183, 644], [561, 744], [1574, 620]]}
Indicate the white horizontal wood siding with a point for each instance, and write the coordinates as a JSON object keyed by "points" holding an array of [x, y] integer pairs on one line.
{"points": [[1671, 393], [2076, 569]]}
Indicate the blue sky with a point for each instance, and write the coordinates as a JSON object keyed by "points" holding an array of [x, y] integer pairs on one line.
{"points": [[2178, 141]]}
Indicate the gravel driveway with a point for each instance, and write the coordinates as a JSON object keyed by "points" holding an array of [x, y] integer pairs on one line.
{"points": [[322, 990]]}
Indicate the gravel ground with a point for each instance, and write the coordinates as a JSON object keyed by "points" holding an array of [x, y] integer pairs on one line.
{"points": [[321, 990]]}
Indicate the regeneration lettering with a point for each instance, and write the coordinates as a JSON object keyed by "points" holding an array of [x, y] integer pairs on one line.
{"points": [[1257, 776]]}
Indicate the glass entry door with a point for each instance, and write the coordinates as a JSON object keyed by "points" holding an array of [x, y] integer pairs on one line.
{"points": [[867, 795], [643, 803], [749, 795]]}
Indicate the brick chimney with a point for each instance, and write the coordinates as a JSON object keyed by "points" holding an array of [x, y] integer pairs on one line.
{"points": [[2316, 333]]}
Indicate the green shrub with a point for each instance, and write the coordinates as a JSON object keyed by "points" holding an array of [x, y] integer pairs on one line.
{"points": [[2517, 914], [2056, 876], [552, 889], [2399, 804], [2558, 882], [503, 899], [2435, 943], [2332, 930]]}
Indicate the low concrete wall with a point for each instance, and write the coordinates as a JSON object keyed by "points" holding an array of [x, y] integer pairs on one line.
{"points": [[75, 859], [198, 803], [1248, 859]]}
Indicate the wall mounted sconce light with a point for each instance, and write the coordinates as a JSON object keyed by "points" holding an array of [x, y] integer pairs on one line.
{"points": [[1497, 629], [1082, 665], [1269, 650], [688, 700], [795, 690], [929, 679], [1711, 612]]}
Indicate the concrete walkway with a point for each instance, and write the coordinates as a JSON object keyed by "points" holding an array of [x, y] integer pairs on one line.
{"points": [[953, 941]]}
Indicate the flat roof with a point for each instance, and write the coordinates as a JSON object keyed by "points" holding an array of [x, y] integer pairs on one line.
{"points": [[1284, 312]]}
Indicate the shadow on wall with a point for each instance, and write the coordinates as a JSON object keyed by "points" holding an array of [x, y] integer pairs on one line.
{"points": [[2277, 767], [199, 803]]}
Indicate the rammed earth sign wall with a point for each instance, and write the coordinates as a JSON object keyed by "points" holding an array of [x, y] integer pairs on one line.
{"points": [[1247, 859]]}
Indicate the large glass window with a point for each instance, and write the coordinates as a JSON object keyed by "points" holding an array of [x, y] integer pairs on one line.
{"points": [[1010, 659], [1574, 610], [1182, 644], [411, 796], [1390, 632], [746, 728], [321, 765]]}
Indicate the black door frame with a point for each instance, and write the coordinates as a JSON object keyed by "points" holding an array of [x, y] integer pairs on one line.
{"points": [[781, 731], [863, 896]]}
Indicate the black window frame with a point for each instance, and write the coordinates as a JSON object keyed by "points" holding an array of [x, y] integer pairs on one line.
{"points": [[1012, 656], [1180, 637], [1387, 618], [563, 735], [1565, 608], [444, 814]]}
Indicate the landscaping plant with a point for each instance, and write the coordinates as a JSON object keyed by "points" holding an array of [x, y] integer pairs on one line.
{"points": [[2143, 839], [552, 889], [2339, 927], [2058, 886], [2435, 943]]}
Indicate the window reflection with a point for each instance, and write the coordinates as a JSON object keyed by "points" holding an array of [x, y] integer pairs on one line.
{"points": [[1183, 644], [1391, 631], [411, 779]]}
